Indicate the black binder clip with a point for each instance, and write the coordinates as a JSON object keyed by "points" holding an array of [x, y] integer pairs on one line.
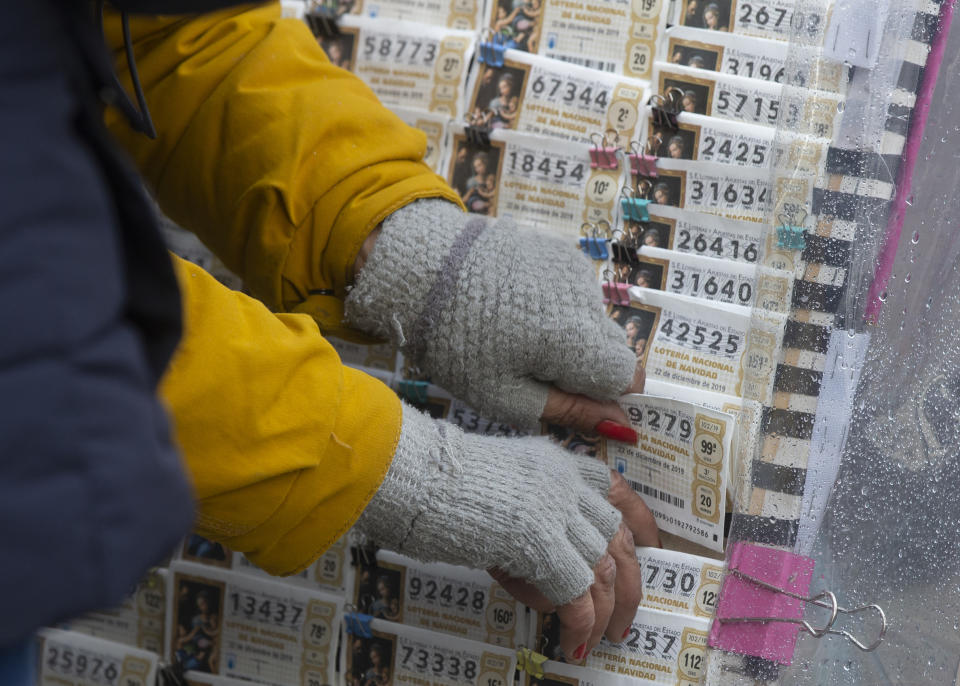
{"points": [[620, 252], [491, 49], [322, 18], [356, 623], [665, 108], [414, 391]]}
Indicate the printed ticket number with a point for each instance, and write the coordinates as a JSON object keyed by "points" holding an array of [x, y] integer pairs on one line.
{"points": [[69, 658], [679, 582]]}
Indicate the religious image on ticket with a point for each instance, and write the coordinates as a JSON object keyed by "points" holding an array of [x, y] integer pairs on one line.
{"points": [[697, 93], [517, 23], [378, 591], [369, 660], [196, 627], [713, 15], [653, 234], [340, 49], [638, 322], [475, 173], [496, 98], [679, 143], [666, 188], [693, 54]]}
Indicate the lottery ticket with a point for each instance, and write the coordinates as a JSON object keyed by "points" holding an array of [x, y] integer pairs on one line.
{"points": [[661, 648], [440, 404], [457, 14], [679, 464], [709, 139], [547, 186], [326, 573], [710, 279], [69, 658], [609, 35], [748, 414], [405, 63], [434, 126], [138, 621], [755, 58], [701, 344], [696, 233], [735, 193], [740, 98], [679, 582], [562, 674], [389, 653], [292, 9], [776, 19], [537, 95], [439, 597], [241, 626]]}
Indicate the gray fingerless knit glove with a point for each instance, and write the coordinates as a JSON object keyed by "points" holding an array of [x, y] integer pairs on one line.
{"points": [[520, 504], [491, 312]]}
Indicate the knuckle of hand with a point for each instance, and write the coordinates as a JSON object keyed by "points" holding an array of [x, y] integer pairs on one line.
{"points": [[606, 570]]}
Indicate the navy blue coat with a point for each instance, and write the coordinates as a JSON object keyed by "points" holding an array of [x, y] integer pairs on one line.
{"points": [[91, 486]]}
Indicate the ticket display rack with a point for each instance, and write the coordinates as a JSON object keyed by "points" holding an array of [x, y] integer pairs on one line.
{"points": [[739, 174]]}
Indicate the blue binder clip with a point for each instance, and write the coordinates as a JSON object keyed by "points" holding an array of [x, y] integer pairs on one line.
{"points": [[414, 391], [791, 234], [593, 244], [491, 51], [357, 624]]}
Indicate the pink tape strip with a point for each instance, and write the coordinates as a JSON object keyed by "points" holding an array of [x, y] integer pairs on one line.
{"points": [[904, 178], [742, 598]]}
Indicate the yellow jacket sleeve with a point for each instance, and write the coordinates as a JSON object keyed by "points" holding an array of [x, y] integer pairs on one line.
{"points": [[285, 446], [280, 162]]}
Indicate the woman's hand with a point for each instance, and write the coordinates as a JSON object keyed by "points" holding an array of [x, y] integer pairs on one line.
{"points": [[609, 607], [501, 317], [522, 505]]}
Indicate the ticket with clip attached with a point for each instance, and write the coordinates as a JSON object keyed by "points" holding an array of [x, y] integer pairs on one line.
{"points": [[754, 101], [696, 233], [547, 186], [439, 597], [241, 626], [679, 582], [381, 652], [537, 95], [776, 19], [709, 139], [434, 126], [138, 621], [755, 58], [456, 14], [660, 648], [405, 63], [735, 193], [748, 414], [608, 35], [69, 658], [679, 464], [701, 344], [327, 573], [724, 281]]}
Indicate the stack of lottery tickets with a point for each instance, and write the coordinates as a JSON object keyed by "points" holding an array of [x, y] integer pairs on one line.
{"points": [[646, 134]]}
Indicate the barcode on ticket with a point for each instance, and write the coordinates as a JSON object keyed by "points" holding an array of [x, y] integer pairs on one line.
{"points": [[676, 501], [602, 65]]}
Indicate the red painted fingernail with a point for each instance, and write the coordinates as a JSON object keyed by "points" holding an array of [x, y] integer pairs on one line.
{"points": [[659, 543], [625, 633], [616, 432], [581, 652]]}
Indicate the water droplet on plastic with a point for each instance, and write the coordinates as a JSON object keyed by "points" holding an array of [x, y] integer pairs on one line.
{"points": [[907, 277], [840, 106], [910, 200], [915, 238], [883, 297]]}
